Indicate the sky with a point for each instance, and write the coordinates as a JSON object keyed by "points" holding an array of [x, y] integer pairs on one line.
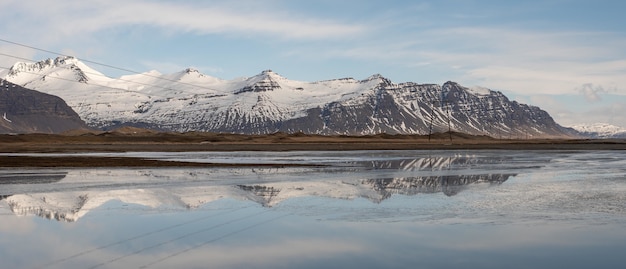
{"points": [[566, 56]]}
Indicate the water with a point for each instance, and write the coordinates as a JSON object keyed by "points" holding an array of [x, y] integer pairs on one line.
{"points": [[367, 209]]}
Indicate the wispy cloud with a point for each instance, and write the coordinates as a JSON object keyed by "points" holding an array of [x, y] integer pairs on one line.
{"points": [[518, 60], [76, 18], [591, 93]]}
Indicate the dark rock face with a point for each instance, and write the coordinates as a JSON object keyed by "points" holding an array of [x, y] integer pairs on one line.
{"points": [[28, 111], [267, 83]]}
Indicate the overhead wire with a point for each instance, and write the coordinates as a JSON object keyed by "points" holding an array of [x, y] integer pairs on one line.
{"points": [[213, 240], [204, 243], [73, 81], [102, 64], [217, 92], [104, 76], [175, 239], [76, 255]]}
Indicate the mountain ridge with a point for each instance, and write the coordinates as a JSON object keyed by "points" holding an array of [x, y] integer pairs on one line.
{"points": [[267, 103], [600, 130]]}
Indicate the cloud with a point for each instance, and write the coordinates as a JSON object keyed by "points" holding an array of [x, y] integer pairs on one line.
{"points": [[569, 110], [531, 61], [591, 92], [78, 18], [526, 61]]}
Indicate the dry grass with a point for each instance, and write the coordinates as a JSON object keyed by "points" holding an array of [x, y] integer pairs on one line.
{"points": [[137, 140]]}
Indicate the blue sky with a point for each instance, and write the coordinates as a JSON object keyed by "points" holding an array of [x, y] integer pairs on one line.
{"points": [[565, 56]]}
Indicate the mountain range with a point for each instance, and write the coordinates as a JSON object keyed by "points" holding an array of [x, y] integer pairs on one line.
{"points": [[600, 130], [269, 103]]}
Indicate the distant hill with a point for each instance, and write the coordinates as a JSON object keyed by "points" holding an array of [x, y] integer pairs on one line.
{"points": [[28, 111], [269, 103], [601, 130]]}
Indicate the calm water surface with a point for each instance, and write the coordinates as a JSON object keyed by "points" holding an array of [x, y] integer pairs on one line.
{"points": [[357, 209]]}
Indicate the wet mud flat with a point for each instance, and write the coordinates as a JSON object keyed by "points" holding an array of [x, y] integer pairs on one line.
{"points": [[99, 161]]}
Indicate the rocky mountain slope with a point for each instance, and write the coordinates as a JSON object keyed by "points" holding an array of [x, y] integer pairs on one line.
{"points": [[29, 111], [268, 103]]}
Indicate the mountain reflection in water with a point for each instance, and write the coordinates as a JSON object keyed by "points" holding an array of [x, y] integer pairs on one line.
{"points": [[188, 189], [70, 206]]}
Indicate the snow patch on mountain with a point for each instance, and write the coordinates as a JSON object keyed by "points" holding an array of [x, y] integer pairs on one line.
{"points": [[480, 91], [600, 130]]}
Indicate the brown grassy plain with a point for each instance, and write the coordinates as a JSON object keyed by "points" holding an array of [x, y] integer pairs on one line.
{"points": [[137, 140]]}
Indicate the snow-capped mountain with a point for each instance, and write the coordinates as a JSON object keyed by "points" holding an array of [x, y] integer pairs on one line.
{"points": [[600, 130], [268, 103]]}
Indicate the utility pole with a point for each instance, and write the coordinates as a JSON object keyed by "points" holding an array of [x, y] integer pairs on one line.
{"points": [[449, 127], [432, 116]]}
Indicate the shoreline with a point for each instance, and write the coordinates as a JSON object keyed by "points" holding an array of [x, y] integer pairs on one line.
{"points": [[179, 142], [207, 142], [111, 162], [354, 146]]}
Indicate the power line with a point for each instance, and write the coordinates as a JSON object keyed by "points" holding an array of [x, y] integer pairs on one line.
{"points": [[214, 240], [222, 237], [175, 239], [136, 237], [101, 64], [91, 73], [73, 81], [218, 93]]}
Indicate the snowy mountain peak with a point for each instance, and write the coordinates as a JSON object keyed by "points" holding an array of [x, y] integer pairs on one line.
{"points": [[600, 130], [65, 60], [269, 74], [21, 73], [267, 80], [375, 76], [42, 65], [191, 70], [379, 79], [190, 73], [451, 84]]}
